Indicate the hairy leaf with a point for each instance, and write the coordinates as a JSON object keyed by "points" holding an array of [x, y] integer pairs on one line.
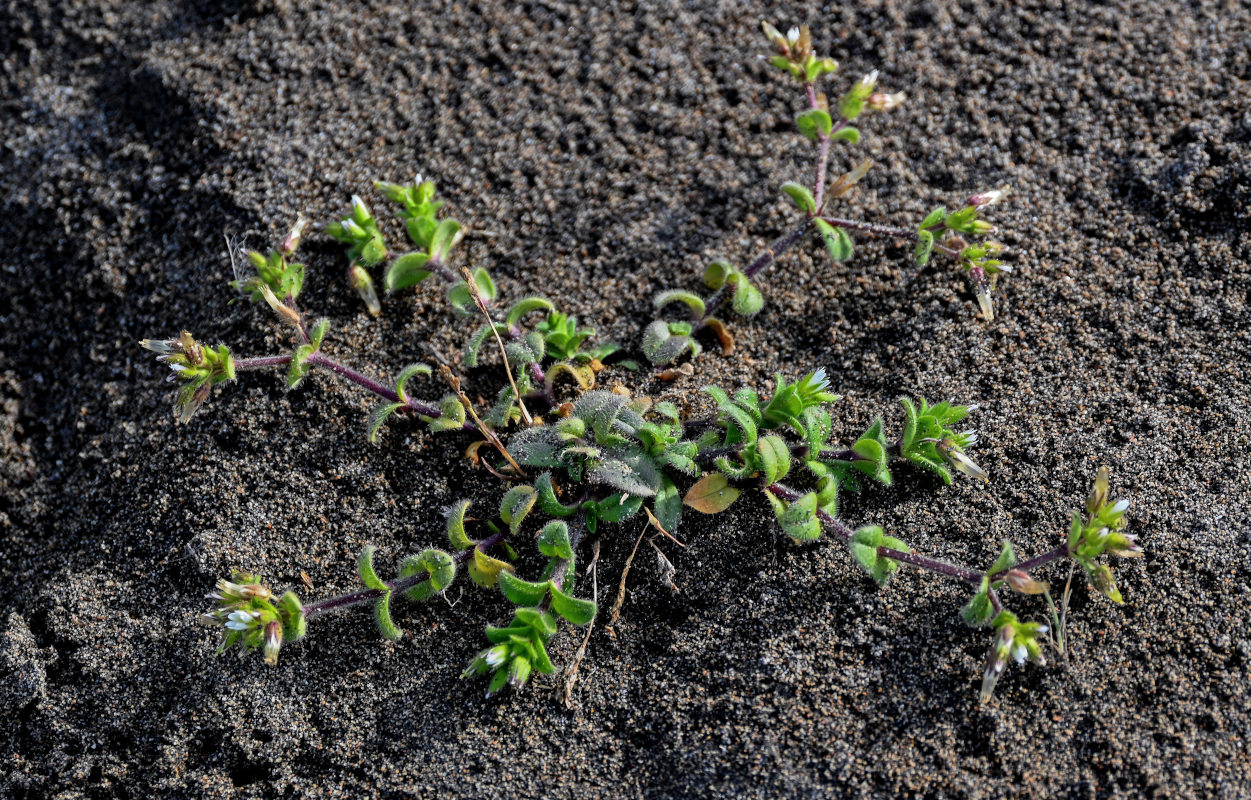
{"points": [[711, 494]]}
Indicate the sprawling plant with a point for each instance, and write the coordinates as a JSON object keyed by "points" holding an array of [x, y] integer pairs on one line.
{"points": [[578, 460]]}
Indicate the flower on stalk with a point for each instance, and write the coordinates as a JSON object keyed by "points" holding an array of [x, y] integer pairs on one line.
{"points": [[251, 618], [197, 366], [951, 448], [1100, 534], [1013, 639], [516, 651]]}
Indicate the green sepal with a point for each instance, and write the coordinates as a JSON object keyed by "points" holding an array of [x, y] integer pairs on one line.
{"points": [[864, 544], [979, 610], [516, 504], [455, 515], [774, 458], [291, 612], [407, 270], [846, 134], [575, 610], [365, 568], [925, 248], [453, 415], [554, 540], [382, 615], [871, 449], [406, 374], [378, 417], [1006, 560], [522, 593], [814, 123], [837, 242], [547, 497], [438, 565], [747, 299], [693, 301], [800, 195]]}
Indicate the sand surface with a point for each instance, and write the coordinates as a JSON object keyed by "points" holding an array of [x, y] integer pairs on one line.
{"points": [[599, 155]]}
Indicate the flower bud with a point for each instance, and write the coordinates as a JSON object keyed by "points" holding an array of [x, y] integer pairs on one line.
{"points": [[1022, 583], [880, 101], [983, 199], [360, 212], [292, 242]]}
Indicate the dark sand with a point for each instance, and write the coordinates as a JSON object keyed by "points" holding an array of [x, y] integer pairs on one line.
{"points": [[599, 155]]}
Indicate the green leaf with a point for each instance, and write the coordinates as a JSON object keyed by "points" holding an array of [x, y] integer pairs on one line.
{"points": [[526, 305], [935, 217], [668, 505], [453, 417], [618, 507], [484, 570], [801, 197], [486, 286], [382, 615], [522, 593], [365, 567], [662, 346], [446, 235], [837, 242], [439, 567], [799, 520], [978, 611], [692, 301], [925, 248], [554, 540], [846, 134], [621, 475], [864, 544], [516, 505], [373, 252], [910, 424], [319, 333], [747, 298], [455, 515], [814, 123], [378, 417], [408, 372], [577, 611], [547, 498], [711, 494], [827, 495], [407, 270], [717, 273], [774, 457], [1006, 560]]}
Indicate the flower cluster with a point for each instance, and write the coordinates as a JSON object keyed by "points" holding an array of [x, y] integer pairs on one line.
{"points": [[1099, 534], [197, 366], [251, 617], [1015, 639]]}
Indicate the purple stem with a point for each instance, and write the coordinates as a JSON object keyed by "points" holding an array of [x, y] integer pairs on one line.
{"points": [[766, 258], [1045, 558], [885, 230], [933, 565], [365, 382], [398, 585]]}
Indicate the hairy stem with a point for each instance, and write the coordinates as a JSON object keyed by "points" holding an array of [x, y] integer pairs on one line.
{"points": [[762, 262], [933, 565], [398, 585], [885, 230]]}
